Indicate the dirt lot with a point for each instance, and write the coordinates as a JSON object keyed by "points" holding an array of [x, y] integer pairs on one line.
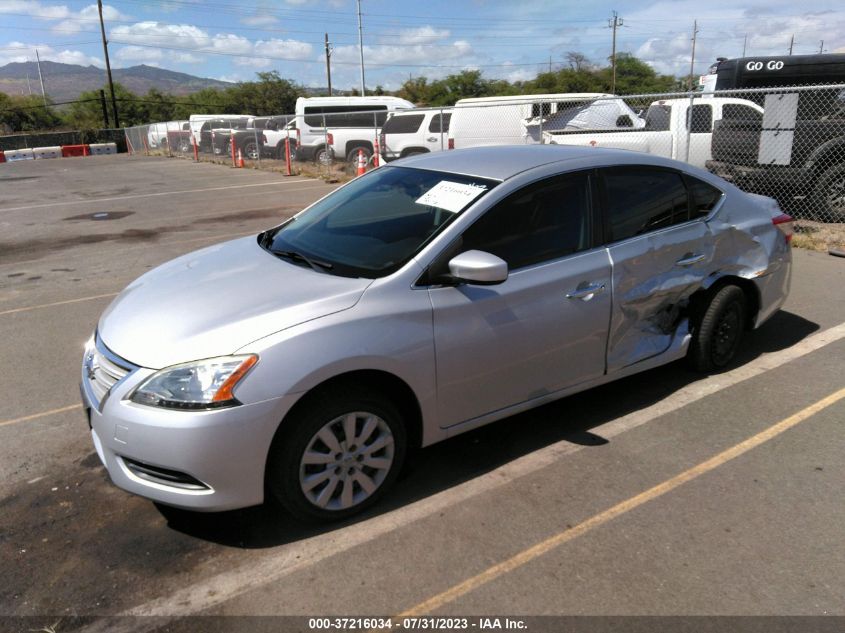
{"points": [[665, 494]]}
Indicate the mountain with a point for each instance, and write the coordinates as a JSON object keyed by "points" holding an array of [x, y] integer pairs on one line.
{"points": [[64, 82]]}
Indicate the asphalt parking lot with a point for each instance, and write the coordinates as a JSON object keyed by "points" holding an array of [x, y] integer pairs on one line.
{"points": [[667, 493]]}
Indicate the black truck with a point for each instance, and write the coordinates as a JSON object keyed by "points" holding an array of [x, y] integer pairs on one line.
{"points": [[808, 160]]}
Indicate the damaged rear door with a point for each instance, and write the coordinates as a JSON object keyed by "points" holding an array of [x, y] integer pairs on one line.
{"points": [[661, 254]]}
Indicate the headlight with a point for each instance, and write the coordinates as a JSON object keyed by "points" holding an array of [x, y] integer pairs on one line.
{"points": [[202, 384]]}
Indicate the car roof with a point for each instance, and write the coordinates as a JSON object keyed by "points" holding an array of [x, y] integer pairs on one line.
{"points": [[521, 99], [501, 162]]}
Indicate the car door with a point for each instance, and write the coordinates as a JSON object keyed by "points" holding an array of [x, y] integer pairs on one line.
{"points": [[545, 327], [661, 252], [437, 134]]}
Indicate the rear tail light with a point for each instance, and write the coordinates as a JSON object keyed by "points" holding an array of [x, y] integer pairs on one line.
{"points": [[298, 137], [786, 225], [451, 143], [330, 138]]}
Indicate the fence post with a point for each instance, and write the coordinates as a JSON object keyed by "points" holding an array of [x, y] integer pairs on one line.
{"points": [[232, 144], [326, 145], [287, 152], [129, 149], [196, 149], [541, 119], [689, 125], [257, 146], [441, 129]]}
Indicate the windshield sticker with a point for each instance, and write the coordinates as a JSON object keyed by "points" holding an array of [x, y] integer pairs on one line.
{"points": [[452, 196]]}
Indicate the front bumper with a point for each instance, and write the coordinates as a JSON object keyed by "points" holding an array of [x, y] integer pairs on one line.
{"points": [[199, 460]]}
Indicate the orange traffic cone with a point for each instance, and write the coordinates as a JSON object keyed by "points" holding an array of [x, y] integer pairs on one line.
{"points": [[240, 159], [362, 163]]}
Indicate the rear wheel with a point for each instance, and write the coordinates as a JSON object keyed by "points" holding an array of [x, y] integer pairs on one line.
{"points": [[337, 455], [352, 155], [250, 150], [717, 338], [829, 195], [323, 156]]}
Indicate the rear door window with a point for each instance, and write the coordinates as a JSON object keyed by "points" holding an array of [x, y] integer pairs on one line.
{"points": [[440, 119], [703, 196], [405, 124], [701, 117], [642, 199]]}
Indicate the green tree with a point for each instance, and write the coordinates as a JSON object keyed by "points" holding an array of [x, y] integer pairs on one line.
{"points": [[27, 114]]}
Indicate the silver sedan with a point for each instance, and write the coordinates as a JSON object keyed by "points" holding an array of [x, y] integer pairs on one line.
{"points": [[421, 300]]}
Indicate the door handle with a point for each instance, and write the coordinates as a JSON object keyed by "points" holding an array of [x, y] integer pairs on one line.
{"points": [[586, 293], [432, 139], [689, 261]]}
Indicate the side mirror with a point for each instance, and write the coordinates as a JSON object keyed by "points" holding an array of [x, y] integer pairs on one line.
{"points": [[478, 267]]}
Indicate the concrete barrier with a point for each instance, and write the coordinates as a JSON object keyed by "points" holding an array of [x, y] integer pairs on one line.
{"points": [[103, 148], [19, 154], [47, 152], [74, 150]]}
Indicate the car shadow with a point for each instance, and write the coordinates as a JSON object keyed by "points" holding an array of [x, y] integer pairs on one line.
{"points": [[452, 462]]}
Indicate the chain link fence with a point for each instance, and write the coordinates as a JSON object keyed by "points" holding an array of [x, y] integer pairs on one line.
{"points": [[71, 137], [788, 143]]}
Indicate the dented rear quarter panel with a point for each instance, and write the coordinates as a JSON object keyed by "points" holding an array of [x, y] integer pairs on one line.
{"points": [[652, 292]]}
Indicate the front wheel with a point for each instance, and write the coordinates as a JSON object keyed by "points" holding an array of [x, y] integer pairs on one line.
{"points": [[717, 338], [337, 456]]}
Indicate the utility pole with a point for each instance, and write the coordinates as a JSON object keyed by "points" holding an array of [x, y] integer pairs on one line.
{"points": [[108, 65], [550, 64], [329, 64], [361, 48], [28, 85], [744, 44], [791, 42], [821, 47], [692, 57], [614, 23], [41, 77]]}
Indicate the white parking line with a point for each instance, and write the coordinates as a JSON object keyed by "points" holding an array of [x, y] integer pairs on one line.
{"points": [[162, 193], [287, 560]]}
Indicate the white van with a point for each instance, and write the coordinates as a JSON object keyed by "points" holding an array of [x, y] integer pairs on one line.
{"points": [[522, 120], [340, 126]]}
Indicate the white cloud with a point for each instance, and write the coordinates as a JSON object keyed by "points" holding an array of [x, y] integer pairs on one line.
{"points": [[259, 54], [259, 20], [87, 19], [154, 56], [421, 35], [47, 53]]}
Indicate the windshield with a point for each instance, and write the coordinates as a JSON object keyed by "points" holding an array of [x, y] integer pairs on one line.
{"points": [[376, 223]]}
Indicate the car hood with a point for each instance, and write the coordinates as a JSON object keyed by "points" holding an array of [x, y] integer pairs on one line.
{"points": [[214, 301]]}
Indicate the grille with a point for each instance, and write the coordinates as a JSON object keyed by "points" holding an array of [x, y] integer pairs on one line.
{"points": [[105, 369]]}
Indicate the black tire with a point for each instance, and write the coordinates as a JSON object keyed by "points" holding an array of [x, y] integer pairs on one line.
{"points": [[719, 334], [828, 199], [285, 464], [322, 156], [352, 154], [250, 150]]}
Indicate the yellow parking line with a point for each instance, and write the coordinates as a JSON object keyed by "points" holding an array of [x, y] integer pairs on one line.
{"points": [[528, 555], [58, 303], [43, 414]]}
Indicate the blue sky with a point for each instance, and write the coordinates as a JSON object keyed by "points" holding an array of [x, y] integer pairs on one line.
{"points": [[231, 40]]}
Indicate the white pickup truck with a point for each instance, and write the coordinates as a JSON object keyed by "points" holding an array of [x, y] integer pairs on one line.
{"points": [[669, 129]]}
